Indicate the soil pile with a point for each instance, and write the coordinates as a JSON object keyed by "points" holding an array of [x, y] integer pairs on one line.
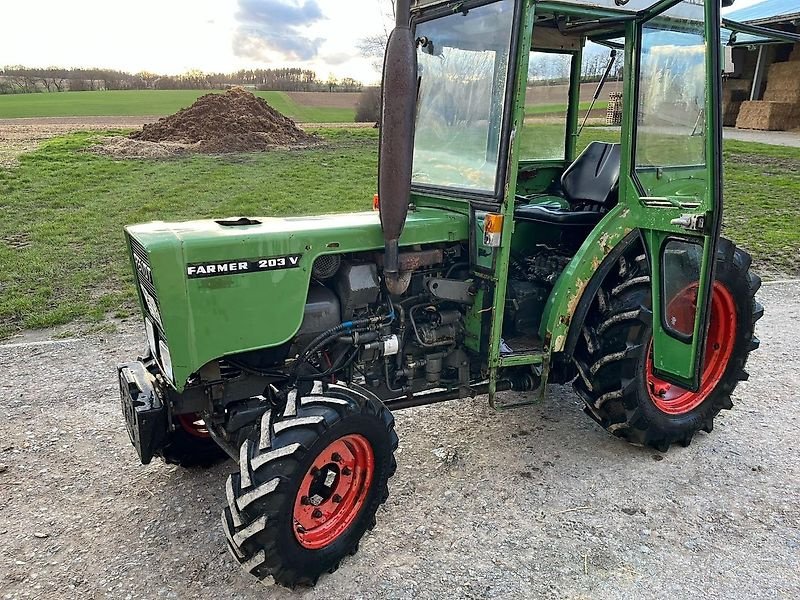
{"points": [[236, 121]]}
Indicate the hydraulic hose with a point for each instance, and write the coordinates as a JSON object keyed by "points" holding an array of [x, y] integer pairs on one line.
{"points": [[356, 326]]}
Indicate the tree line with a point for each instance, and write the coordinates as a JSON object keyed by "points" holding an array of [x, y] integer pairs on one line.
{"points": [[25, 80]]}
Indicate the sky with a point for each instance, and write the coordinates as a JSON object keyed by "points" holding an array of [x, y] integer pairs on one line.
{"points": [[175, 36]]}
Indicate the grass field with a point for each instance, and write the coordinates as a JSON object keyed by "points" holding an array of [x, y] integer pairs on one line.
{"points": [[561, 109], [146, 103], [61, 243]]}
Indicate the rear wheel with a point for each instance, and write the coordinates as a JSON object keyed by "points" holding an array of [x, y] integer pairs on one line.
{"points": [[310, 482], [614, 356]]}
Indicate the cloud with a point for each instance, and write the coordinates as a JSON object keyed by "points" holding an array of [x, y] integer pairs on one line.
{"points": [[339, 58], [268, 27]]}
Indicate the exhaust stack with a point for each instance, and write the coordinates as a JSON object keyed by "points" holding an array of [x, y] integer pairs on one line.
{"points": [[396, 146]]}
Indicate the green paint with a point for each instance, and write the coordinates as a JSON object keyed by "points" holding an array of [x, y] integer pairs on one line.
{"points": [[208, 318]]}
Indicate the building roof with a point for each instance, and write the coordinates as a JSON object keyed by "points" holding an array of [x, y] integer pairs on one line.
{"points": [[766, 12]]}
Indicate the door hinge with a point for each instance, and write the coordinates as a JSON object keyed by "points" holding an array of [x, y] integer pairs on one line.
{"points": [[691, 222]]}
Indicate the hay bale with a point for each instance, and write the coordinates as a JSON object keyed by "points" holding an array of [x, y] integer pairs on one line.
{"points": [[744, 85], [733, 95], [767, 116], [784, 76], [730, 113], [779, 95]]}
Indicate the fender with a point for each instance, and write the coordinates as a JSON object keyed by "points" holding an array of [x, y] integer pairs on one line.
{"points": [[576, 287]]}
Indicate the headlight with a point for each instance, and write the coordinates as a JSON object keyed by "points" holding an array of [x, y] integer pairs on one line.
{"points": [[152, 307], [150, 330], [165, 359]]}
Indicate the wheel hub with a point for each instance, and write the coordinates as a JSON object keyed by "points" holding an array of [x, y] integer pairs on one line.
{"points": [[673, 399], [194, 425], [333, 491]]}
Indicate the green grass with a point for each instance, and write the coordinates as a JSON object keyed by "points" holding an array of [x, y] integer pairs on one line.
{"points": [[61, 243], [561, 109], [147, 102]]}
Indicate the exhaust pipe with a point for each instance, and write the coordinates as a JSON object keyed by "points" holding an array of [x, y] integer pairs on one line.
{"points": [[396, 145]]}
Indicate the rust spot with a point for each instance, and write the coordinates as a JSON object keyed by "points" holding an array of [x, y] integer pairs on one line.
{"points": [[572, 304], [605, 246]]}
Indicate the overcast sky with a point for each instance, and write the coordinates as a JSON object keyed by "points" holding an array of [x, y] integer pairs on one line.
{"points": [[174, 36]]}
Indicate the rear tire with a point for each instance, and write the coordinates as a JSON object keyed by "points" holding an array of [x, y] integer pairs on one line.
{"points": [[310, 482], [614, 354]]}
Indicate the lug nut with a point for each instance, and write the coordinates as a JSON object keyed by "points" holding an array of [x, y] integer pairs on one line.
{"points": [[347, 471], [336, 498], [317, 514], [300, 529], [305, 501], [336, 457]]}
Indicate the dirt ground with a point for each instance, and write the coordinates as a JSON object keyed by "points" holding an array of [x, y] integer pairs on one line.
{"points": [[18, 136], [533, 503]]}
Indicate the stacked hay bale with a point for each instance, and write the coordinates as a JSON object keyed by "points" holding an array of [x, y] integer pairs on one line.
{"points": [[780, 109], [734, 94]]}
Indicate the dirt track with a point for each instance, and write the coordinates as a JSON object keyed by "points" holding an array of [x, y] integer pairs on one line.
{"points": [[537, 502]]}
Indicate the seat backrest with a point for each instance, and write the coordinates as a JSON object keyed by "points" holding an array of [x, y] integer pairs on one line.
{"points": [[594, 176]]}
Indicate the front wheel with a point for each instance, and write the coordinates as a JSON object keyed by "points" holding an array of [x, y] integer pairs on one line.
{"points": [[615, 364], [310, 482], [190, 444]]}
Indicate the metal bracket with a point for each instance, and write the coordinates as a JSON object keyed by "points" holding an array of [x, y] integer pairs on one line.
{"points": [[691, 222], [539, 394], [455, 290]]}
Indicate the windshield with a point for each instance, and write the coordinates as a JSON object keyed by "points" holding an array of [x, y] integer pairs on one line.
{"points": [[463, 70]]}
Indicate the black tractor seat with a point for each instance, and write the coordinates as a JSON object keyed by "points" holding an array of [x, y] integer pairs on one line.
{"points": [[543, 213], [590, 185]]}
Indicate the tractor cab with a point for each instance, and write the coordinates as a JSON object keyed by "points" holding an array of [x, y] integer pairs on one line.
{"points": [[510, 126]]}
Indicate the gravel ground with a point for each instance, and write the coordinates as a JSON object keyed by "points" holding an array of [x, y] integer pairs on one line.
{"points": [[773, 138], [535, 502]]}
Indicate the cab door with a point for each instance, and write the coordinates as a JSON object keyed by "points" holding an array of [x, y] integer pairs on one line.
{"points": [[676, 174]]}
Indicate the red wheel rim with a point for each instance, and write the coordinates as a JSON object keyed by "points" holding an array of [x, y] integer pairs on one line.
{"points": [[192, 424], [333, 491], [672, 399]]}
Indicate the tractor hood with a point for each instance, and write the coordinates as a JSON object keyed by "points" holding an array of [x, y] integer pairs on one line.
{"points": [[214, 288]]}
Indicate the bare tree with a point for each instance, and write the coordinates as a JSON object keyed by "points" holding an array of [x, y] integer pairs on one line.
{"points": [[374, 46]]}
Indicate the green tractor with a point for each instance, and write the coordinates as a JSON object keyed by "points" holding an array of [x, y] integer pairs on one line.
{"points": [[499, 258]]}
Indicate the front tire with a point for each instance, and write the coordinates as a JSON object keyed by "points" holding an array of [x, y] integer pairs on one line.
{"points": [[310, 482], [614, 355], [190, 445]]}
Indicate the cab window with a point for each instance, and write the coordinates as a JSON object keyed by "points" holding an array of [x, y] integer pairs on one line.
{"points": [[544, 133]]}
